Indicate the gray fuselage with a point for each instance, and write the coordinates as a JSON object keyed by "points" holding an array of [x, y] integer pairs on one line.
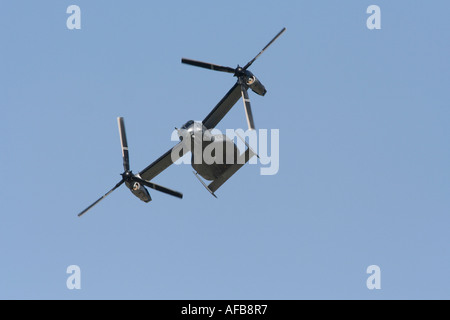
{"points": [[211, 154]]}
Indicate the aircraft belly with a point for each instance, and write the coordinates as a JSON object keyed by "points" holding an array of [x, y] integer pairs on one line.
{"points": [[211, 171]]}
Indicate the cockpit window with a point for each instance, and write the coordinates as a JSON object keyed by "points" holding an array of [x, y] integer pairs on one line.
{"points": [[188, 124]]}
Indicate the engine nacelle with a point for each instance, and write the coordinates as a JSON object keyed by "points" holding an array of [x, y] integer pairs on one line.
{"points": [[139, 191], [254, 84]]}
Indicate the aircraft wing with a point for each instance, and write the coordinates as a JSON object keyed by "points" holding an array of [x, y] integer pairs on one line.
{"points": [[211, 120], [222, 108], [163, 162]]}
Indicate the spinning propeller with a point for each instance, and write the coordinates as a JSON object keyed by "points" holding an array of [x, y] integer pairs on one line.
{"points": [[245, 78], [132, 181]]}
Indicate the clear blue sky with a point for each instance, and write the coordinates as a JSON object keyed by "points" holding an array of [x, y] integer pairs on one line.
{"points": [[364, 176]]}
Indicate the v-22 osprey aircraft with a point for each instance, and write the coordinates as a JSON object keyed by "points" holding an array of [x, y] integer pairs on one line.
{"points": [[192, 134]]}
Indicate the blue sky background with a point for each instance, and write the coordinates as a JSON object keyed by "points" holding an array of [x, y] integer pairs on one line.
{"points": [[364, 174]]}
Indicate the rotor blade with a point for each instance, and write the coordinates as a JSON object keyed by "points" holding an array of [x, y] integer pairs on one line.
{"points": [[268, 45], [158, 187], [100, 199], [207, 65], [124, 143], [248, 108]]}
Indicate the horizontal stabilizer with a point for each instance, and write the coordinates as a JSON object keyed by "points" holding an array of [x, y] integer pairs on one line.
{"points": [[204, 184]]}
